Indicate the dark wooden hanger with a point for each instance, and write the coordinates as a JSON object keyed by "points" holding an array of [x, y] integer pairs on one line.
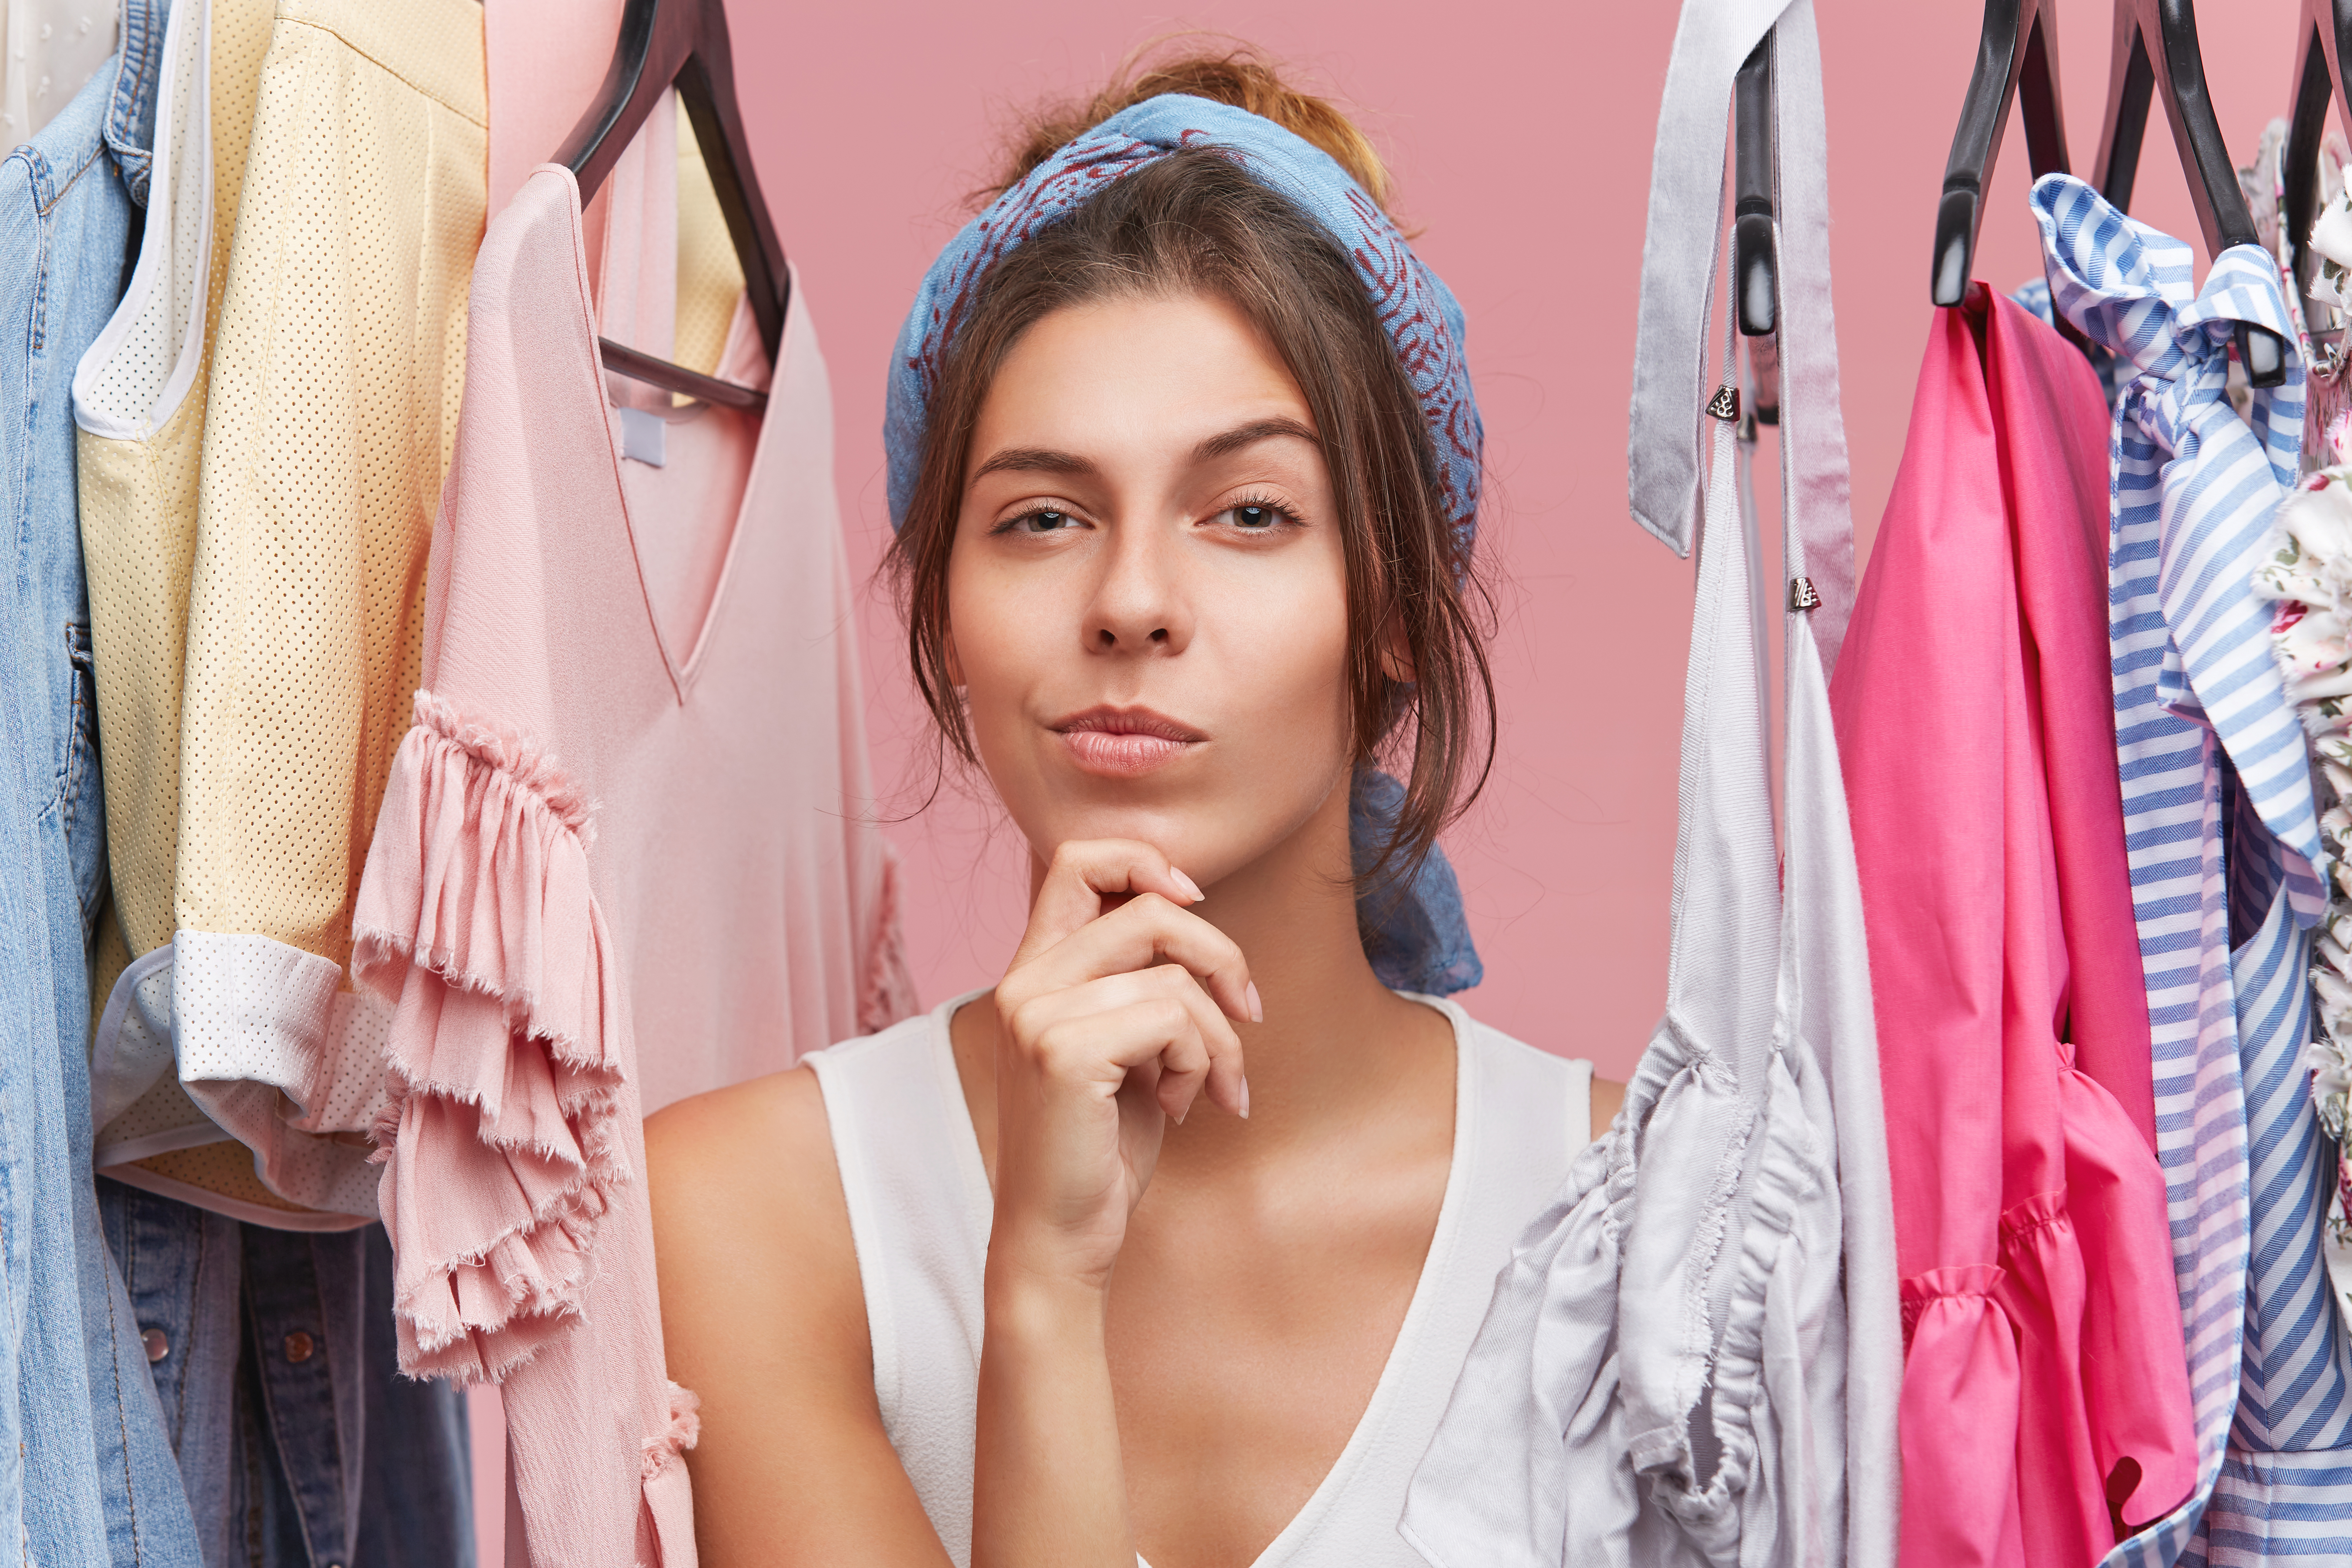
{"points": [[1754, 268], [683, 43], [2017, 59], [2326, 40], [2155, 52]]}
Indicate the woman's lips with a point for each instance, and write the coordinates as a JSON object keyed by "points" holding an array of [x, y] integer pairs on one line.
{"points": [[1125, 744]]}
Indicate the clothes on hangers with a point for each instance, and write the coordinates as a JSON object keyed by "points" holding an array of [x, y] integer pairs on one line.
{"points": [[88, 1477], [1544, 1457], [139, 398], [2327, 390], [298, 1443], [336, 366], [1693, 1355], [1976, 726], [2306, 577], [2225, 875], [2307, 632], [606, 630], [211, 1306], [48, 50]]}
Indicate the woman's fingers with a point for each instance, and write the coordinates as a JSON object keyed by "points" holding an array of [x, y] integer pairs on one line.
{"points": [[1087, 871], [1146, 931], [1105, 1030]]}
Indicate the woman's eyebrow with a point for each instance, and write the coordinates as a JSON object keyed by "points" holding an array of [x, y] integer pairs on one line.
{"points": [[1034, 460], [1047, 460], [1245, 436]]}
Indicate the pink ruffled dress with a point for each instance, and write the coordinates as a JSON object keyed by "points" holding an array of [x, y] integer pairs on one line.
{"points": [[626, 853], [2044, 1370]]}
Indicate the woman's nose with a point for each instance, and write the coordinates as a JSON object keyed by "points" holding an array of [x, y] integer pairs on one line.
{"points": [[1139, 606]]}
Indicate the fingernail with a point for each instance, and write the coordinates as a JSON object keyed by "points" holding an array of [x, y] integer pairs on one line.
{"points": [[1190, 885], [1245, 1099], [1256, 1008]]}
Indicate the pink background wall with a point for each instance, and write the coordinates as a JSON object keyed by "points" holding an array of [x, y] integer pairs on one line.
{"points": [[1521, 136]]}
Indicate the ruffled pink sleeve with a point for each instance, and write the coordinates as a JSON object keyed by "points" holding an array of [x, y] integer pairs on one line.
{"points": [[501, 1144]]}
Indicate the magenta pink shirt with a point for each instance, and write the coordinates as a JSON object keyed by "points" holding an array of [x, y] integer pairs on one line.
{"points": [[1975, 720]]}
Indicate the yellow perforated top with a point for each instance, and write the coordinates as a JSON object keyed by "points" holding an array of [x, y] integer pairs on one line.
{"points": [[709, 277], [337, 369], [257, 542], [139, 467], [140, 399]]}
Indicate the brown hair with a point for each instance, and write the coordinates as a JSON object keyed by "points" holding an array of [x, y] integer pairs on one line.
{"points": [[1194, 222]]}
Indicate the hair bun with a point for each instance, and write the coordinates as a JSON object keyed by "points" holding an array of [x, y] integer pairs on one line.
{"points": [[1237, 74]]}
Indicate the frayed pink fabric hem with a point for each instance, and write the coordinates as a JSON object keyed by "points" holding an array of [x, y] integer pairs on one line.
{"points": [[501, 1143]]}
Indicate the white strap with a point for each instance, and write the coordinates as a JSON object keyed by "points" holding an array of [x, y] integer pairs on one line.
{"points": [[1679, 251]]}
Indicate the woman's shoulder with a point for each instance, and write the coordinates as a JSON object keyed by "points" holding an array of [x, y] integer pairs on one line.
{"points": [[750, 1147], [1517, 1073], [751, 1230]]}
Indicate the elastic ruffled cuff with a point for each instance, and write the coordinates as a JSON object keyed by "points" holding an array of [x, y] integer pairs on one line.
{"points": [[1525, 1468], [1960, 1414], [501, 1143]]}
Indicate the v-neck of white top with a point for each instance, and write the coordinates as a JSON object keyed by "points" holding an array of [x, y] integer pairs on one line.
{"points": [[1393, 1371]]}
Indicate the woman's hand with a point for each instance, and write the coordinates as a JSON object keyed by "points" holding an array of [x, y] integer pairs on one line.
{"points": [[1117, 1012]]}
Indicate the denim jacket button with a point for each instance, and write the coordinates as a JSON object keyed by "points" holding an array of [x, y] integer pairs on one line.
{"points": [[298, 1347], [158, 1344]]}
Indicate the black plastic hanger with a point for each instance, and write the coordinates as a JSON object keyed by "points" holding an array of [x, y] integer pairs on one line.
{"points": [[2017, 59], [684, 43], [2163, 33], [1754, 269], [2326, 40]]}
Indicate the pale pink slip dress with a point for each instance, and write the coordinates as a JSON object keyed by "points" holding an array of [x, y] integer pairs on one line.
{"points": [[1976, 723], [626, 854]]}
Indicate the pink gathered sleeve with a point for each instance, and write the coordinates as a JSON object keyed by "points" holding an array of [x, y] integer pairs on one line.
{"points": [[2042, 1336], [500, 1143], [1962, 1356], [2058, 438], [2135, 1356], [1919, 698], [2060, 1499]]}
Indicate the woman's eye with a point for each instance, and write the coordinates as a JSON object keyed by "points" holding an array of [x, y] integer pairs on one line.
{"points": [[1047, 521], [1252, 517]]}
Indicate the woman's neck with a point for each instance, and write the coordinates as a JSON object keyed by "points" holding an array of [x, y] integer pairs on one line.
{"points": [[1336, 1044]]}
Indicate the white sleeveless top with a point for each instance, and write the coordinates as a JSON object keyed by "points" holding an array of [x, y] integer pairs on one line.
{"points": [[920, 1211]]}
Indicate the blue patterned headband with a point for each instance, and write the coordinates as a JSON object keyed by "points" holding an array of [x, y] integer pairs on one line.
{"points": [[1416, 935]]}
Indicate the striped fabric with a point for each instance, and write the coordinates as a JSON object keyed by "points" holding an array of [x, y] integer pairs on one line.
{"points": [[2211, 755]]}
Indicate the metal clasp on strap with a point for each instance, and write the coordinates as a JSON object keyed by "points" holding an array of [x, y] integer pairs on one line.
{"points": [[1725, 404], [1802, 596]]}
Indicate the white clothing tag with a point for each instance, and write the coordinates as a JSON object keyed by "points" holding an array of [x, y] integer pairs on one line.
{"points": [[645, 436]]}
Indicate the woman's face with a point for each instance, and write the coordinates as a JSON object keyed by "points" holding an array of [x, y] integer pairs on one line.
{"points": [[1148, 594]]}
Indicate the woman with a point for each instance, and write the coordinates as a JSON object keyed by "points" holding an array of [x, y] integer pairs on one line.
{"points": [[1173, 1242]]}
